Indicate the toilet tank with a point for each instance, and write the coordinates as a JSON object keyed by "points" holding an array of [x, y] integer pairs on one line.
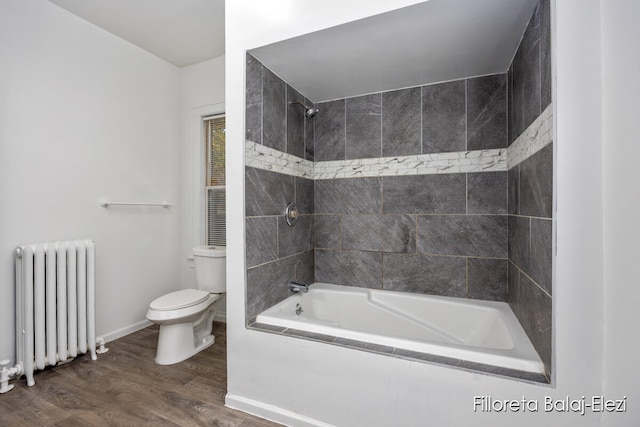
{"points": [[211, 268]]}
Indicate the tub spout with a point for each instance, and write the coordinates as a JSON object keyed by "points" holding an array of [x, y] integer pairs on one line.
{"points": [[298, 287]]}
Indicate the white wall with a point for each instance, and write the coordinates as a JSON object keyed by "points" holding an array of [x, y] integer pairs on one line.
{"points": [[201, 94], [621, 87], [302, 382], [84, 115]]}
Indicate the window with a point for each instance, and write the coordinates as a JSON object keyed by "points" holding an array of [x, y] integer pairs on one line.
{"points": [[215, 204]]}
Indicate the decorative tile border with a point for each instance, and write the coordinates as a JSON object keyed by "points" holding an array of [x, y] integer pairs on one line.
{"points": [[261, 157], [537, 136], [422, 164]]}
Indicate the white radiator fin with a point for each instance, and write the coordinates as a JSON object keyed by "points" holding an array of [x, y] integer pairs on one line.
{"points": [[55, 303]]}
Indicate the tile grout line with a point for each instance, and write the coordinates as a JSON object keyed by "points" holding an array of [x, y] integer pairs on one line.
{"points": [[466, 115], [381, 124], [286, 118], [261, 104], [345, 129], [531, 279], [466, 197], [467, 276], [421, 121]]}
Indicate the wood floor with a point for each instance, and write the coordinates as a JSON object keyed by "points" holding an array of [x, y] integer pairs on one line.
{"points": [[124, 387]]}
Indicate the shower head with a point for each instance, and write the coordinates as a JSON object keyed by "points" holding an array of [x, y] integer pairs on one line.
{"points": [[308, 111]]}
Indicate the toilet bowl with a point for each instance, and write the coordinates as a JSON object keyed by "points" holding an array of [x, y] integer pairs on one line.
{"points": [[186, 316]]}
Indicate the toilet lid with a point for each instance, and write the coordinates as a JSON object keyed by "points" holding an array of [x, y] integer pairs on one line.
{"points": [[179, 299]]}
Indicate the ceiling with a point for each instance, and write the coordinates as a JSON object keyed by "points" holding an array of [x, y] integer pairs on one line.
{"points": [[183, 32], [432, 41]]}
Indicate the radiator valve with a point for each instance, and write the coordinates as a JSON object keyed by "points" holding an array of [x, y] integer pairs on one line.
{"points": [[101, 346], [7, 373]]}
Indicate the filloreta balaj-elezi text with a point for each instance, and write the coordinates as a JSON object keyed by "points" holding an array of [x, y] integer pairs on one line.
{"points": [[579, 405]]}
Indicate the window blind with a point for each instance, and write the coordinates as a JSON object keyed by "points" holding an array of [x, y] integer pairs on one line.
{"points": [[214, 132]]}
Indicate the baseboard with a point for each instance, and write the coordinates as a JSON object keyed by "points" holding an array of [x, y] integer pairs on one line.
{"points": [[270, 412], [110, 336]]}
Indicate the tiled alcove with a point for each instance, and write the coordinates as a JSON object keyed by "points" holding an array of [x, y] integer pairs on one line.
{"points": [[400, 186]]}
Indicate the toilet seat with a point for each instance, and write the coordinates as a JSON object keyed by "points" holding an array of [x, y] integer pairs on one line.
{"points": [[179, 299], [191, 307]]}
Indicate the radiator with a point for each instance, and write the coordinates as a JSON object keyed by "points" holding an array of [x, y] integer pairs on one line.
{"points": [[55, 304]]}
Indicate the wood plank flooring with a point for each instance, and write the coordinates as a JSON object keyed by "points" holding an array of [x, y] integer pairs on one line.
{"points": [[124, 387]]}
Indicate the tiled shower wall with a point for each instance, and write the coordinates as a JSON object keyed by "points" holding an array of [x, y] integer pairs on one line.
{"points": [[276, 253], [443, 234], [531, 186]]}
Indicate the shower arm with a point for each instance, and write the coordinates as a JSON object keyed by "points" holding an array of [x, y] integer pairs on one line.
{"points": [[308, 111], [299, 103]]}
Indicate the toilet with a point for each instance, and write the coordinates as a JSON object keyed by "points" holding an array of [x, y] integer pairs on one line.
{"points": [[186, 316]]}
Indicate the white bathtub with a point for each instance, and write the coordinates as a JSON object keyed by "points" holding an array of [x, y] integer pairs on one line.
{"points": [[484, 332]]}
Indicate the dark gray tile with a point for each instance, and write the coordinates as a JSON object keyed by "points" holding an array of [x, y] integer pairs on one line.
{"points": [[487, 112], [367, 346], [363, 115], [401, 122], [274, 111], [304, 195], [268, 284], [350, 268], [296, 238], [295, 123], [487, 193], [262, 240], [463, 235], [309, 134], [535, 317], [348, 195], [417, 273], [513, 294], [505, 372], [427, 357], [305, 267], [329, 140], [385, 233], [514, 190], [541, 253], [470, 366], [526, 78], [254, 100], [424, 194], [443, 117], [327, 231], [545, 52], [536, 184], [510, 106], [267, 328], [266, 192], [309, 335], [519, 241], [488, 279]]}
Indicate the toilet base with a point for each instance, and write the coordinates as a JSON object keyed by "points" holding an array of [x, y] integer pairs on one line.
{"points": [[176, 343], [184, 332]]}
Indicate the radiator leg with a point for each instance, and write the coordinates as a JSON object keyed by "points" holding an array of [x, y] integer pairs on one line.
{"points": [[30, 381]]}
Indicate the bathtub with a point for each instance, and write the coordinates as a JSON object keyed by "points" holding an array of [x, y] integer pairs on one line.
{"points": [[482, 332]]}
